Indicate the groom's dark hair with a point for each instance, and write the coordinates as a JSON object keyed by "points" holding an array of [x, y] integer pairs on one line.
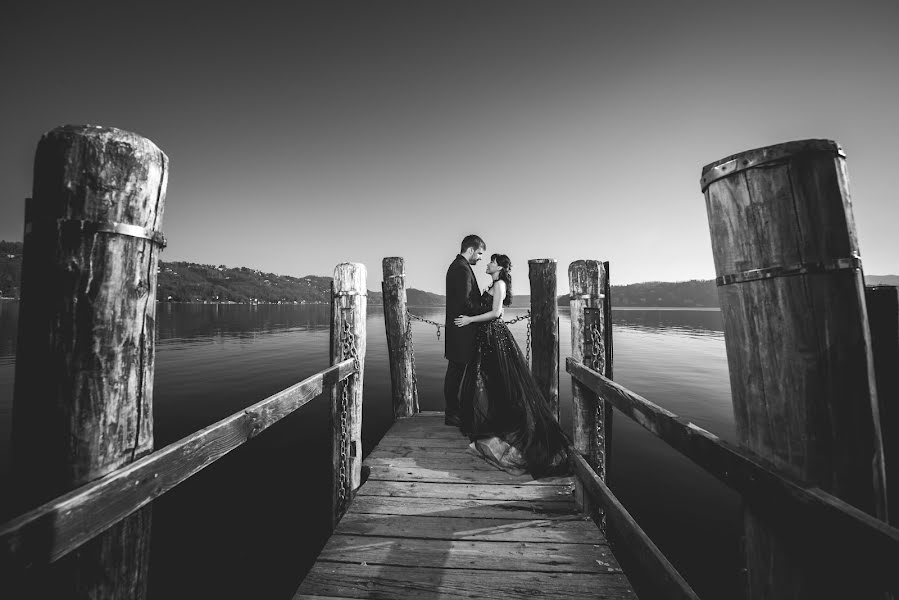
{"points": [[472, 241]]}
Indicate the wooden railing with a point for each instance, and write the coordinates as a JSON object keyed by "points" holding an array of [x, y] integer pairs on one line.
{"points": [[84, 469], [815, 399], [52, 530]]}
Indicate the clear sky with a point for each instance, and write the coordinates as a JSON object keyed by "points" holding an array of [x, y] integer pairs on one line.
{"points": [[304, 134]]}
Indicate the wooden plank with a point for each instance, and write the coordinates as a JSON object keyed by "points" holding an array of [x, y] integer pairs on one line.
{"points": [[571, 529], [456, 475], [474, 555], [423, 442], [560, 508], [820, 515], [664, 578], [523, 491], [462, 461], [328, 579], [65, 523], [423, 451], [427, 432]]}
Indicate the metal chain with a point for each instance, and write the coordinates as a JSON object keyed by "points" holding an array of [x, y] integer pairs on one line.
{"points": [[423, 320], [527, 345], [597, 349], [348, 350], [599, 417]]}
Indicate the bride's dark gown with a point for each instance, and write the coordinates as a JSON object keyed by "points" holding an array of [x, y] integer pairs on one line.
{"points": [[503, 411]]}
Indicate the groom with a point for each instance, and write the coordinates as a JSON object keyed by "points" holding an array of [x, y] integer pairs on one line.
{"points": [[463, 297]]}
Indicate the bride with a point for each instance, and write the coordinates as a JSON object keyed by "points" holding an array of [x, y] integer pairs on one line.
{"points": [[503, 411]]}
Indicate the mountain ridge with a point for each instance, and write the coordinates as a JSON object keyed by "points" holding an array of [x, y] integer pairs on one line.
{"points": [[181, 281]]}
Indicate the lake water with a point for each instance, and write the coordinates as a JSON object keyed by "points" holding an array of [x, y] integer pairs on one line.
{"points": [[251, 524]]}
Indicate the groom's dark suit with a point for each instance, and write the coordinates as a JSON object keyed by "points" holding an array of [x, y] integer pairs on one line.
{"points": [[463, 297]]}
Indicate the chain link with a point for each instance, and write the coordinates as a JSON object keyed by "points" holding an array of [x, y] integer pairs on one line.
{"points": [[599, 418], [349, 349], [597, 350]]}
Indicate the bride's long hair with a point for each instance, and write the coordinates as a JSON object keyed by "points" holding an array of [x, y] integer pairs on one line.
{"points": [[506, 275]]}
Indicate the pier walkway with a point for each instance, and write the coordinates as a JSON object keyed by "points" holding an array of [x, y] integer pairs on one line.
{"points": [[433, 520]]}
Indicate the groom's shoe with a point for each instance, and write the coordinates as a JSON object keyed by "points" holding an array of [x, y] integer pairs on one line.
{"points": [[453, 420]]}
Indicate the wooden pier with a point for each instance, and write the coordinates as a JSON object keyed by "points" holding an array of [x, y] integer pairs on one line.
{"points": [[812, 356], [434, 520]]}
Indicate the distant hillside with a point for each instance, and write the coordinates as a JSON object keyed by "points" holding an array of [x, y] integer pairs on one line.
{"points": [[191, 282], [882, 279]]}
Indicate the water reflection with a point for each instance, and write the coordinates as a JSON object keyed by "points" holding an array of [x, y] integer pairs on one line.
{"points": [[691, 323], [213, 360]]}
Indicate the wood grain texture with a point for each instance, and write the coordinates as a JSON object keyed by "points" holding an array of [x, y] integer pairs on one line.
{"points": [[519, 491], [436, 516], [56, 528], [381, 581], [585, 278], [348, 314], [85, 355], [454, 475], [781, 498], [570, 530], [545, 330], [553, 557], [393, 288], [559, 507], [798, 347]]}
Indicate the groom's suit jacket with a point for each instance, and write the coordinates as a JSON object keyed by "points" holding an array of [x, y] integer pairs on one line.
{"points": [[463, 297]]}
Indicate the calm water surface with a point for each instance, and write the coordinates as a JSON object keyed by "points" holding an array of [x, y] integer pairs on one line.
{"points": [[251, 524]]}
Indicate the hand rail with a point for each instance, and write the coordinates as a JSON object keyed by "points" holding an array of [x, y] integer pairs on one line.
{"points": [[822, 516], [61, 525]]}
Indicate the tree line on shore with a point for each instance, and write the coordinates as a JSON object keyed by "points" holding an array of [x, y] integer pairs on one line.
{"points": [[192, 282]]}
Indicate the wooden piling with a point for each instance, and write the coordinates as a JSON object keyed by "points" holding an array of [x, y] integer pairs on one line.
{"points": [[586, 282], [798, 345], [399, 351], [348, 312], [882, 302], [85, 358], [545, 329]]}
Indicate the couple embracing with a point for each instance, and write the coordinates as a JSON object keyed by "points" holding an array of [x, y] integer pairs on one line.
{"points": [[489, 391]]}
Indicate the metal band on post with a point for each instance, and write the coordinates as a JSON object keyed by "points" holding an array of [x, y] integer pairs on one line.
{"points": [[766, 156], [837, 264], [92, 227]]}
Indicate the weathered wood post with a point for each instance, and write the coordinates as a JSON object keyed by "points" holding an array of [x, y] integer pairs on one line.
{"points": [[798, 346], [882, 302], [82, 404], [399, 350], [545, 330], [587, 280], [348, 312]]}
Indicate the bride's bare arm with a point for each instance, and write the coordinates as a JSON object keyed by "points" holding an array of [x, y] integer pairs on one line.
{"points": [[499, 294]]}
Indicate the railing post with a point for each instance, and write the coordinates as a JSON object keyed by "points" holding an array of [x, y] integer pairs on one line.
{"points": [[348, 312], [587, 280], [399, 351], [882, 302], [545, 329], [798, 347], [84, 368]]}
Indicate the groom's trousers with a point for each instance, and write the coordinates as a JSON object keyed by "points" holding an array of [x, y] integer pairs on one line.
{"points": [[451, 384]]}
